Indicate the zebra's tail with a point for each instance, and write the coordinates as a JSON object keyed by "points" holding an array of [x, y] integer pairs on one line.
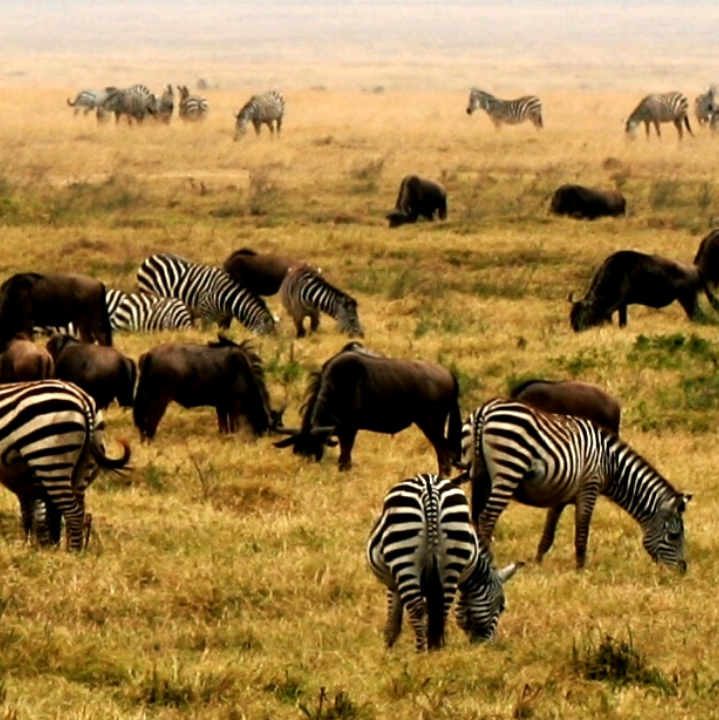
{"points": [[105, 318], [70, 103], [141, 404], [433, 591], [688, 127], [479, 475], [108, 463]]}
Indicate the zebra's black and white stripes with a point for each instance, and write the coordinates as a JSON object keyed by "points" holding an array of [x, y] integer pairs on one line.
{"points": [[209, 290], [144, 312], [88, 100], [423, 547], [267, 108], [516, 452], [670, 107], [192, 107], [705, 105], [51, 447], [134, 103], [305, 293], [506, 112]]}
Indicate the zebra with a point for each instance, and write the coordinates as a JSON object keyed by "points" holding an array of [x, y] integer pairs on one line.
{"points": [[266, 108], [508, 112], [134, 102], [138, 312], [304, 292], [512, 450], [89, 100], [51, 448], [705, 105], [209, 290], [670, 107], [192, 107], [166, 105], [424, 548]]}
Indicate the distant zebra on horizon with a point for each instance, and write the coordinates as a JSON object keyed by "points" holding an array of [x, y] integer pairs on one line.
{"points": [[506, 112], [266, 108], [192, 107], [654, 109], [89, 100], [207, 289], [134, 103], [305, 293]]}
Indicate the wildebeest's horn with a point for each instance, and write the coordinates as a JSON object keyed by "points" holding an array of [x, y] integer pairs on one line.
{"points": [[461, 465], [288, 431], [292, 440], [462, 478], [324, 430]]}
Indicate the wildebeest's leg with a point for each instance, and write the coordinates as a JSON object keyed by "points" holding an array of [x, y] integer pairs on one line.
{"points": [[689, 304], [585, 502], [154, 415], [622, 315], [393, 628], [347, 440], [222, 419], [550, 526]]}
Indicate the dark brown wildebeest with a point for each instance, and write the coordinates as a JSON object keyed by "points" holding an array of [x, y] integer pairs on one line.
{"points": [[224, 375], [260, 273], [23, 360], [54, 300], [707, 258], [102, 372], [633, 278], [578, 201], [416, 197], [356, 390]]}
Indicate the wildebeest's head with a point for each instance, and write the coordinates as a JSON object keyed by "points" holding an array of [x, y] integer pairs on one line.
{"points": [[397, 218], [583, 315], [307, 442]]}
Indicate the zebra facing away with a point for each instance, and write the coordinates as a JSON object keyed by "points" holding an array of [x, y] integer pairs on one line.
{"points": [[51, 448], [506, 112], [209, 290], [134, 103], [705, 105], [424, 548], [512, 450], [670, 107], [88, 100], [192, 107], [305, 293], [267, 108]]}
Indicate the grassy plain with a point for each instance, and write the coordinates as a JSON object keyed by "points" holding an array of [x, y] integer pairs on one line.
{"points": [[226, 578]]}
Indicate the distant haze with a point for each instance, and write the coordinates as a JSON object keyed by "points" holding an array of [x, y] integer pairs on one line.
{"points": [[346, 44]]}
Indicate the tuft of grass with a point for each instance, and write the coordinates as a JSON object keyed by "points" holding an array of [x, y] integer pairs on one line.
{"points": [[342, 707]]}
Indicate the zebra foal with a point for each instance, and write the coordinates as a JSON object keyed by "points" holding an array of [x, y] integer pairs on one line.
{"points": [[423, 547], [670, 107], [305, 293], [267, 108], [513, 451], [506, 112]]}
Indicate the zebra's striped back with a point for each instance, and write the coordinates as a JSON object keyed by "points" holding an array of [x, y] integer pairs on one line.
{"points": [[545, 460], [670, 107], [423, 547], [267, 108], [506, 112], [138, 312], [192, 107], [209, 290], [134, 102], [305, 293], [90, 99]]}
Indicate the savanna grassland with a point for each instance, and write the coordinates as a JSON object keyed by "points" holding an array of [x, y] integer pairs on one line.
{"points": [[226, 578]]}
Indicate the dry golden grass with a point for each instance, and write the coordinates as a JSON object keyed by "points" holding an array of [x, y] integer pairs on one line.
{"points": [[226, 578]]}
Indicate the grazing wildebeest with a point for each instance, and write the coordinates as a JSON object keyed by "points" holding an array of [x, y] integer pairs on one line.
{"points": [[707, 258], [416, 197], [222, 374], [356, 390], [102, 372], [633, 278], [53, 300], [260, 273], [23, 360], [578, 201]]}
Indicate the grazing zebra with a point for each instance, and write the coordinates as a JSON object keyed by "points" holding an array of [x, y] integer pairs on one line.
{"points": [[514, 451], [304, 292], [134, 102], [209, 290], [89, 100], [670, 107], [705, 105], [266, 108], [192, 107], [166, 105], [423, 547], [51, 447], [507, 112], [138, 312]]}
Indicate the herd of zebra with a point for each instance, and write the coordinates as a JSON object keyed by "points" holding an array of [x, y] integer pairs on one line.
{"points": [[137, 102]]}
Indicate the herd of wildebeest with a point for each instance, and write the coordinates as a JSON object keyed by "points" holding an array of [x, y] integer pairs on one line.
{"points": [[426, 546]]}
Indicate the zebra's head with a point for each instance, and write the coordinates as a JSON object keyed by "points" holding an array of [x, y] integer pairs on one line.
{"points": [[664, 533], [241, 122], [630, 128], [477, 101], [481, 600], [347, 318]]}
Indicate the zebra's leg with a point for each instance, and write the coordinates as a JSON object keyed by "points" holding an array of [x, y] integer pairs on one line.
{"points": [[585, 502], [417, 611], [26, 507], [678, 126], [499, 497], [314, 320], [393, 628], [347, 441], [550, 527], [279, 127], [658, 129]]}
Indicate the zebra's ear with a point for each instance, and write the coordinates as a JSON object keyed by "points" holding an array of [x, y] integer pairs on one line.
{"points": [[683, 500], [509, 572]]}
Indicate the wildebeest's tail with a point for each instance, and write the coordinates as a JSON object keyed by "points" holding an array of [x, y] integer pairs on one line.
{"points": [[454, 430], [106, 326], [127, 380], [433, 591], [143, 397]]}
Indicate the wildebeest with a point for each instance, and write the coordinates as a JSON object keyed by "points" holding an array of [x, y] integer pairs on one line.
{"points": [[260, 273], [23, 361], [416, 197], [571, 397], [633, 278], [222, 374], [578, 201], [53, 300], [356, 390], [707, 258], [102, 372]]}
